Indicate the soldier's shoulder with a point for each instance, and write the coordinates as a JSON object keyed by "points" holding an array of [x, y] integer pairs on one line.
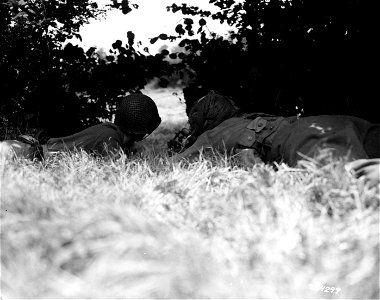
{"points": [[235, 121]]}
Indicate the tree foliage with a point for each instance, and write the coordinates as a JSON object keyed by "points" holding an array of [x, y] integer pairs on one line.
{"points": [[57, 86], [32, 60], [285, 57]]}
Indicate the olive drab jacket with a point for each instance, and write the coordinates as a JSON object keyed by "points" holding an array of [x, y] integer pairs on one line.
{"points": [[273, 138], [253, 131], [100, 139]]}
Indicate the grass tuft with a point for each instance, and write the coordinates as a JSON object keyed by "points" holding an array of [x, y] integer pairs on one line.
{"points": [[147, 227]]}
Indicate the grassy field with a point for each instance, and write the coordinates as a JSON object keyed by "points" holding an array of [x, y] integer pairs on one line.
{"points": [[146, 227]]}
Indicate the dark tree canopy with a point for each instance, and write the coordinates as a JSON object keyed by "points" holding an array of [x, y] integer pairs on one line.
{"points": [[57, 86], [285, 57], [32, 62]]}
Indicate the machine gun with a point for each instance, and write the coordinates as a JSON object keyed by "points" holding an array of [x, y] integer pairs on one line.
{"points": [[181, 141]]}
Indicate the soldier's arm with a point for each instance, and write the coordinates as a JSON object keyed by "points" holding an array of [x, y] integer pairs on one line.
{"points": [[249, 157], [11, 149], [109, 143], [369, 169], [203, 142], [225, 136]]}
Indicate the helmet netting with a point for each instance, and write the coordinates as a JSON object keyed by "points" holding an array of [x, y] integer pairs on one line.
{"points": [[137, 113], [209, 111]]}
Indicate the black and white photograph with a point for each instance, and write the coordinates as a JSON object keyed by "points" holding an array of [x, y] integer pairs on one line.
{"points": [[189, 149]]}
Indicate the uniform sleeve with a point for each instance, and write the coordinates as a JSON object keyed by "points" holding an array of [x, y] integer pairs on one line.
{"points": [[108, 144], [225, 136], [202, 142], [248, 157]]}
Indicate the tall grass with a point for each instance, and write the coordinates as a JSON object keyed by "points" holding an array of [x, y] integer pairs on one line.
{"points": [[147, 227]]}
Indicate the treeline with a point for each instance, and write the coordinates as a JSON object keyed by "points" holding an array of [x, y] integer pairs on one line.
{"points": [[286, 57]]}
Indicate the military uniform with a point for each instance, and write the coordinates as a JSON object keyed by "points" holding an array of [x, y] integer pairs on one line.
{"points": [[273, 138], [99, 139], [347, 136], [102, 139], [136, 117]]}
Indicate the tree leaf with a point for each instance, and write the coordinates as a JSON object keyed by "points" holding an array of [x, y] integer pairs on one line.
{"points": [[179, 29], [188, 21], [117, 44], [184, 42], [153, 40], [163, 36], [131, 38]]}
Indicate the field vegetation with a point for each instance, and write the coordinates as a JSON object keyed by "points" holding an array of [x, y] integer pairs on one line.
{"points": [[146, 226]]}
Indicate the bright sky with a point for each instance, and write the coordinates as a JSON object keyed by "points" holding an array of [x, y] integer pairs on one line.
{"points": [[149, 20]]}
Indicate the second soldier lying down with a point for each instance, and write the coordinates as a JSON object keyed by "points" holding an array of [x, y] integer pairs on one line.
{"points": [[136, 117], [259, 137]]}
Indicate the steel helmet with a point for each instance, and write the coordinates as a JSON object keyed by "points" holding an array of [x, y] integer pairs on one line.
{"points": [[209, 111], [137, 114]]}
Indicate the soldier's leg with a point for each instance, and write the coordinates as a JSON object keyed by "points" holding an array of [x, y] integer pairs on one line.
{"points": [[11, 149], [367, 168], [372, 141], [344, 135]]}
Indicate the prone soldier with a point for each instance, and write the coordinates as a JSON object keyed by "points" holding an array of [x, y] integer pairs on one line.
{"points": [[136, 117], [216, 123]]}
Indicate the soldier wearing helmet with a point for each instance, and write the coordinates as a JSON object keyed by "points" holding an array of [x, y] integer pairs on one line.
{"points": [[260, 137], [136, 117]]}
